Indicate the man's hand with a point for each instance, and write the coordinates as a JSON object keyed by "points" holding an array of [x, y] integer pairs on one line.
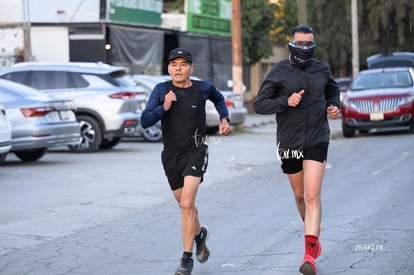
{"points": [[333, 112], [224, 127], [295, 98], [169, 98]]}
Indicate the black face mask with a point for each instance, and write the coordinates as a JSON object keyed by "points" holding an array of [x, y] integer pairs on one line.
{"points": [[302, 57]]}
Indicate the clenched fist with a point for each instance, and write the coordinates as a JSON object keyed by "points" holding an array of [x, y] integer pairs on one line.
{"points": [[169, 98], [333, 112]]}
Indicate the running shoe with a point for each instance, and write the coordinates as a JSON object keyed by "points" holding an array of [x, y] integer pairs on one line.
{"points": [[186, 266], [202, 251], [308, 266], [319, 250]]}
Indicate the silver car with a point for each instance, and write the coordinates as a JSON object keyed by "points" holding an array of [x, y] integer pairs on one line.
{"points": [[5, 134], [235, 105], [38, 121], [108, 103]]}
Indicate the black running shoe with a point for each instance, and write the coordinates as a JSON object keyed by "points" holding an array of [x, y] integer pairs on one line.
{"points": [[186, 266], [202, 252]]}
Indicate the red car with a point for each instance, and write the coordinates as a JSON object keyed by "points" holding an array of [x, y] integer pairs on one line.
{"points": [[379, 99]]}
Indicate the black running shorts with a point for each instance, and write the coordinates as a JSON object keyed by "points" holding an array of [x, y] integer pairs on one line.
{"points": [[178, 164], [293, 163]]}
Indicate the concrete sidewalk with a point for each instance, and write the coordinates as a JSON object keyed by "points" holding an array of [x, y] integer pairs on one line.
{"points": [[254, 120]]}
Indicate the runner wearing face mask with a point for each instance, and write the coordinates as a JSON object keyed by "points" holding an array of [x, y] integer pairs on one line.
{"points": [[302, 93]]}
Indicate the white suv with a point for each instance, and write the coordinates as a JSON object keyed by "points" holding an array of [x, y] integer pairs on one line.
{"points": [[108, 102]]}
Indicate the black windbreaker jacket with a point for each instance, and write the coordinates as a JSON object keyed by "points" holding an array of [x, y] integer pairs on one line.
{"points": [[306, 124]]}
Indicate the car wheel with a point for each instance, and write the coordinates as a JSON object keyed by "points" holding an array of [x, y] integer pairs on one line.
{"points": [[153, 133], [2, 157], [109, 143], [31, 155], [90, 135], [347, 132]]}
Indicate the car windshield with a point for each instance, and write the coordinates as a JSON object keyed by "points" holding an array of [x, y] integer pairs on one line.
{"points": [[391, 79]]}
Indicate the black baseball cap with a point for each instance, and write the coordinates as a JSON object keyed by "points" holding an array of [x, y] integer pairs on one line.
{"points": [[180, 52]]}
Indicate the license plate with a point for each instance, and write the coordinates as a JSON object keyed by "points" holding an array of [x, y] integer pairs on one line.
{"points": [[67, 115], [376, 116]]}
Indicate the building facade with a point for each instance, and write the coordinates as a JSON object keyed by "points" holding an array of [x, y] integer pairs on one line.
{"points": [[135, 34]]}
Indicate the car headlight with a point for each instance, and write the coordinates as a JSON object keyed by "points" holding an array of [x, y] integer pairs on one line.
{"points": [[407, 99], [348, 103]]}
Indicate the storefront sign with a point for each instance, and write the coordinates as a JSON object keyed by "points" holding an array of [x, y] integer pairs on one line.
{"points": [[209, 16], [142, 12]]}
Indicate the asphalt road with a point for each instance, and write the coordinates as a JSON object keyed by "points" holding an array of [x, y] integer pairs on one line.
{"points": [[112, 212]]}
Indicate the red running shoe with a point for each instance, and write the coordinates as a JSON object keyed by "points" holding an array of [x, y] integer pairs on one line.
{"points": [[308, 266], [318, 252]]}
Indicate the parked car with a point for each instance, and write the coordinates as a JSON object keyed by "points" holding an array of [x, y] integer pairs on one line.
{"points": [[235, 105], [395, 59], [343, 84], [234, 102], [38, 121], [5, 134], [108, 103], [379, 98]]}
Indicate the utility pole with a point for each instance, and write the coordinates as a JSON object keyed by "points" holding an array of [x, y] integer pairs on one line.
{"points": [[355, 40], [237, 68], [302, 14], [27, 51]]}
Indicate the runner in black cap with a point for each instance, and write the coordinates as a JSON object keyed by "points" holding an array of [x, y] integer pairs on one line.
{"points": [[180, 105]]}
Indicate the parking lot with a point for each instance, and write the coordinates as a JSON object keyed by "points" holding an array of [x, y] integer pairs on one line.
{"points": [[111, 212]]}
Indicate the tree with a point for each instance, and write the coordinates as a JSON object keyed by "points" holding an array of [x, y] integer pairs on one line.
{"points": [[265, 24], [391, 24], [285, 20], [173, 5], [384, 26], [331, 22], [257, 19]]}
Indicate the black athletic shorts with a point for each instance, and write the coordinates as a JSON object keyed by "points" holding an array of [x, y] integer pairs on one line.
{"points": [[178, 164], [293, 162]]}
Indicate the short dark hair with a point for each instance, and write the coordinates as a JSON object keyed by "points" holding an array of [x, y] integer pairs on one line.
{"points": [[301, 29]]}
